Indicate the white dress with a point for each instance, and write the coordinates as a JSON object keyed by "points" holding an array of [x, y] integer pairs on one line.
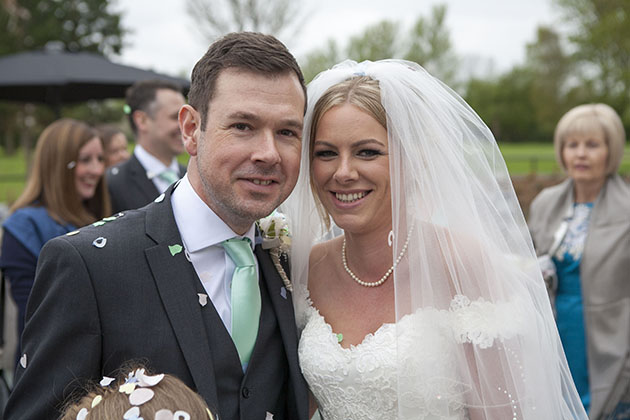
{"points": [[361, 382]]}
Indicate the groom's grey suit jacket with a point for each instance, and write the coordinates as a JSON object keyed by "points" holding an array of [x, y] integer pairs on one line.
{"points": [[93, 308]]}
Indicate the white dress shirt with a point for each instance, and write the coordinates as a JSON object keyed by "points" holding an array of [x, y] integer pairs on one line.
{"points": [[202, 233], [154, 167]]}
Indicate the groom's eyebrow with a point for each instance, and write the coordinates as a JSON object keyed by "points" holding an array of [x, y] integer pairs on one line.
{"points": [[248, 116]]}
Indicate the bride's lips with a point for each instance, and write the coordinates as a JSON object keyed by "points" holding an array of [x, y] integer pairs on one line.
{"points": [[348, 199]]}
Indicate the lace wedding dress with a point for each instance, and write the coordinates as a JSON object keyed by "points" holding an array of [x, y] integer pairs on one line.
{"points": [[362, 382]]}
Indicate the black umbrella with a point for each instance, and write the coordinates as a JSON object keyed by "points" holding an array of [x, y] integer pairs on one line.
{"points": [[59, 77]]}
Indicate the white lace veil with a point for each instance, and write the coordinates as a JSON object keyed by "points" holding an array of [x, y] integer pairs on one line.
{"points": [[470, 260]]}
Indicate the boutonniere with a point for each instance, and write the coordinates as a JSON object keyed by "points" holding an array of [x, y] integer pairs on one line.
{"points": [[277, 239]]}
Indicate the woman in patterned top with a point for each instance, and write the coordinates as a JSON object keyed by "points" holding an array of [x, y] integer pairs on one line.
{"points": [[581, 228]]}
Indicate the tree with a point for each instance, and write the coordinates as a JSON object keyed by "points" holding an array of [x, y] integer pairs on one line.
{"points": [[320, 59], [600, 33], [551, 70], [74, 25], [218, 17], [430, 45], [505, 105], [377, 42], [77, 25], [427, 43]]}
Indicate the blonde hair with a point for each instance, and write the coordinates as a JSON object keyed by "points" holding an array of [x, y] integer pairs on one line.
{"points": [[360, 91], [51, 183], [169, 394], [589, 118]]}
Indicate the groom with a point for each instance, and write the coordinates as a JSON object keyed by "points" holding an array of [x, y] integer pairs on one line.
{"points": [[160, 284]]}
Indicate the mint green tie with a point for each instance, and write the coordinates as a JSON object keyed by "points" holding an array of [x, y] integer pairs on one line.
{"points": [[168, 175], [246, 302]]}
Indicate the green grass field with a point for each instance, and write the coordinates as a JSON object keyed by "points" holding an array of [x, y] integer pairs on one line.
{"points": [[521, 159], [527, 158], [12, 176]]}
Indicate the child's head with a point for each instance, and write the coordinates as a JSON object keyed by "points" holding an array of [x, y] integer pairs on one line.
{"points": [[138, 396]]}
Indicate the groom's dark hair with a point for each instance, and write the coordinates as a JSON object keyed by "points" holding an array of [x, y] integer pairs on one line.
{"points": [[251, 51]]}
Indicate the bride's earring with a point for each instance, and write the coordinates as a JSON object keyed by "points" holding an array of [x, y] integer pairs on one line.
{"points": [[390, 238]]}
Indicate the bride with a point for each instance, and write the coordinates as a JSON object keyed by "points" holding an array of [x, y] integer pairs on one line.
{"points": [[423, 300]]}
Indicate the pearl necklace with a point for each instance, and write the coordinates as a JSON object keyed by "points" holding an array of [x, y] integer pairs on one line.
{"points": [[387, 273]]}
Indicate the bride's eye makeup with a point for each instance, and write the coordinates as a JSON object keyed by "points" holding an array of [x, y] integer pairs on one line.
{"points": [[324, 153], [369, 153]]}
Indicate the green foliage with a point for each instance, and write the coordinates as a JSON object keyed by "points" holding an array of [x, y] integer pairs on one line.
{"points": [[430, 45], [505, 105], [12, 175], [74, 25], [551, 68], [525, 102], [319, 60], [376, 42], [600, 34], [98, 112], [427, 42], [77, 25]]}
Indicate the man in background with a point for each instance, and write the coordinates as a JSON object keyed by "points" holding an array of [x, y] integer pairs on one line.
{"points": [[152, 107]]}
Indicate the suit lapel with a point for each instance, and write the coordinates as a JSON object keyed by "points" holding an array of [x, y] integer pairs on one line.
{"points": [[175, 279], [143, 184], [280, 297]]}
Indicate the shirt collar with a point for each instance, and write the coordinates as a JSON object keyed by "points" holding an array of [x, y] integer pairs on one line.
{"points": [[198, 225], [151, 164]]}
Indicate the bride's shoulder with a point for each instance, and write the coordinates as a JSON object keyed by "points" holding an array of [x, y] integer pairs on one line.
{"points": [[322, 252], [322, 265]]}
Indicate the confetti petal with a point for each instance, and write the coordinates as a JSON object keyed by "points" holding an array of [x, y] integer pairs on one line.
{"points": [[269, 416], [97, 400], [106, 381], [74, 232], [283, 292], [110, 219], [181, 415], [175, 249], [99, 223], [146, 380], [164, 414], [100, 242], [140, 396], [203, 299], [23, 361], [82, 414], [133, 412], [339, 337], [159, 198], [127, 388]]}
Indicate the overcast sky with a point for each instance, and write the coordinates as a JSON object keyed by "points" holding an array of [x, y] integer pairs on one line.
{"points": [[164, 37]]}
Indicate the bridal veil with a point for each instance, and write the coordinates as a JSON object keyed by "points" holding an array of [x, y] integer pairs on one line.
{"points": [[469, 263]]}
